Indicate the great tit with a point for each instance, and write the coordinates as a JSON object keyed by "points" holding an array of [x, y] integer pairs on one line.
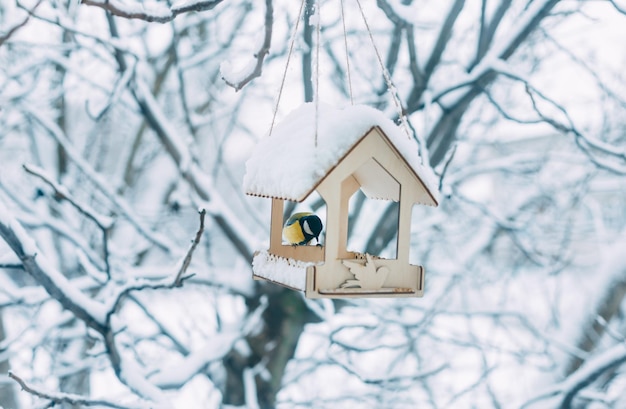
{"points": [[301, 228]]}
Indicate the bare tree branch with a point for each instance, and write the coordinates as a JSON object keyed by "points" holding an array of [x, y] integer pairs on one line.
{"points": [[12, 266], [13, 30], [435, 56], [488, 29], [178, 280], [593, 148], [443, 133]]}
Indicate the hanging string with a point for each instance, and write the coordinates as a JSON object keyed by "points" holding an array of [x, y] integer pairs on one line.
{"points": [[317, 66], [390, 86], [282, 83], [345, 43]]}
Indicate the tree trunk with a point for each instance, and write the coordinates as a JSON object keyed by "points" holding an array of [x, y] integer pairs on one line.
{"points": [[284, 320]]}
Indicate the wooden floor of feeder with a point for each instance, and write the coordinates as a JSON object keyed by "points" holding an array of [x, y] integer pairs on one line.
{"points": [[325, 279]]}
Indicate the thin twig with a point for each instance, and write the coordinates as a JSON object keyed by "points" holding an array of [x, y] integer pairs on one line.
{"points": [[178, 281], [589, 146]]}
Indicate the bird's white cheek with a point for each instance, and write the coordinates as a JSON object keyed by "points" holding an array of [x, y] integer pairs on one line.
{"points": [[306, 228]]}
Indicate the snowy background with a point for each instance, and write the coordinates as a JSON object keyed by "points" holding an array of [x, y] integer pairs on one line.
{"points": [[120, 120]]}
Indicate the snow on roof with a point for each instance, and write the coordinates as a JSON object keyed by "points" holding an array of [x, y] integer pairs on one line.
{"points": [[287, 164]]}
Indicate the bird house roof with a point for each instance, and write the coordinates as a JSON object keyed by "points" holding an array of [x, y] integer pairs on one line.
{"points": [[291, 162]]}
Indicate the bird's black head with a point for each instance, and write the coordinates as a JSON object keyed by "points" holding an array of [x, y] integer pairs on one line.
{"points": [[311, 227]]}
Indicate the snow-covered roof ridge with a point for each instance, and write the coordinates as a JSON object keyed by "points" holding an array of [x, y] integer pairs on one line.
{"points": [[290, 162]]}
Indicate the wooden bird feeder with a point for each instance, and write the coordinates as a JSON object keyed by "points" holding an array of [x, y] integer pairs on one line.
{"points": [[350, 149]]}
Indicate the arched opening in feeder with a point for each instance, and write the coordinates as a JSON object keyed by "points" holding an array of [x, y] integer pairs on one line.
{"points": [[369, 204]]}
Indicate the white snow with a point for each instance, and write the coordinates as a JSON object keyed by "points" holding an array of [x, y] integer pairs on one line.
{"points": [[132, 375], [288, 272], [250, 391], [289, 162], [185, 4], [177, 374], [234, 74]]}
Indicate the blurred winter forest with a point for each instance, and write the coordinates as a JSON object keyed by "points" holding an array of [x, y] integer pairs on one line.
{"points": [[126, 239]]}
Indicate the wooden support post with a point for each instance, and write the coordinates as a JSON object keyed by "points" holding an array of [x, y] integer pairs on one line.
{"points": [[404, 228], [276, 227], [348, 187]]}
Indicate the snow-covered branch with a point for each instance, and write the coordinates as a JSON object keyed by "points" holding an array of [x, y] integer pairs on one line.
{"points": [[198, 180], [240, 79], [38, 266], [611, 274], [60, 192], [125, 209], [177, 374], [167, 283], [583, 377], [152, 11], [94, 314], [56, 398]]}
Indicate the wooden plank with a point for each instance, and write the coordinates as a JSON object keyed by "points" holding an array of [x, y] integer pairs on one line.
{"points": [[407, 281], [300, 253], [276, 225]]}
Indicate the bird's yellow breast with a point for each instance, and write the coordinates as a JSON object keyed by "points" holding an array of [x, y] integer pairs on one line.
{"points": [[293, 233]]}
